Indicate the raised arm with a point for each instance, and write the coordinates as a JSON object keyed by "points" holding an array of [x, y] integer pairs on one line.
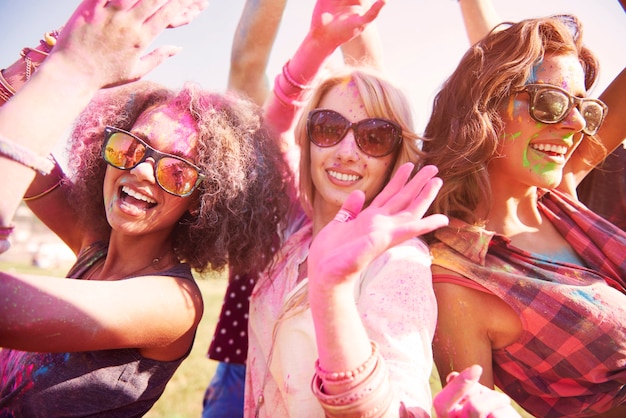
{"points": [[333, 23], [101, 45], [480, 17], [252, 45]]}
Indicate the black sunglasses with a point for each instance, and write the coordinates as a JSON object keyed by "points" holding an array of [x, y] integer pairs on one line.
{"points": [[552, 104], [376, 137], [174, 174]]}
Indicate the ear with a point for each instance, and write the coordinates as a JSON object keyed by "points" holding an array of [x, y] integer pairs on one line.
{"points": [[194, 207]]}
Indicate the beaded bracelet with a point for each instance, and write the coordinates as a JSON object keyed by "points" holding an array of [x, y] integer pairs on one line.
{"points": [[348, 376], [372, 397], [7, 90], [24, 156], [291, 80], [282, 97], [48, 42]]}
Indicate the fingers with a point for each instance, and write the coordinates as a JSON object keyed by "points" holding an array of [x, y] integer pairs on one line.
{"points": [[189, 14], [373, 11], [458, 388], [395, 184], [416, 195], [351, 207], [464, 396]]}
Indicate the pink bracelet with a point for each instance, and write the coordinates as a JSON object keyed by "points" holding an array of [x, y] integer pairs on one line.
{"points": [[291, 80], [282, 97], [371, 397], [348, 376]]}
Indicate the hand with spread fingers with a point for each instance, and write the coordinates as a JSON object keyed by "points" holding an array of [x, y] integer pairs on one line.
{"points": [[394, 216], [121, 31]]}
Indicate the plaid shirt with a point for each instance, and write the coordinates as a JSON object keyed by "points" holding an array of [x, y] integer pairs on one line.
{"points": [[571, 357]]}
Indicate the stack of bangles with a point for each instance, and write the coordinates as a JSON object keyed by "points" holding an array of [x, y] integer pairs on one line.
{"points": [[47, 43], [280, 93], [367, 390]]}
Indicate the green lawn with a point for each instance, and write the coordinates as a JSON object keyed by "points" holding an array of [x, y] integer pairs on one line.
{"points": [[183, 396]]}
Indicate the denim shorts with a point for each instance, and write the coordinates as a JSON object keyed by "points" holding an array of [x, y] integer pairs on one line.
{"points": [[224, 396]]}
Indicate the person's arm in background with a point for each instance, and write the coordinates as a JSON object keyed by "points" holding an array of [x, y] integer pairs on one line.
{"points": [[60, 89], [612, 134], [251, 48], [479, 17]]}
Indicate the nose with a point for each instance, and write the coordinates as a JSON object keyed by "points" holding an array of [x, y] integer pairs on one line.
{"points": [[145, 170], [347, 149], [575, 120]]}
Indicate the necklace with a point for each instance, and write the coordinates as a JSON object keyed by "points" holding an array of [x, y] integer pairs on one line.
{"points": [[97, 266]]}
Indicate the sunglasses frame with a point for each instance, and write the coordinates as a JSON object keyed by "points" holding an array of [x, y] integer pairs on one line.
{"points": [[533, 89], [150, 152], [354, 126]]}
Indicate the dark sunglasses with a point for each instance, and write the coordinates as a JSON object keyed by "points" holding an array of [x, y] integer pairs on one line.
{"points": [[551, 104], [376, 137], [174, 174]]}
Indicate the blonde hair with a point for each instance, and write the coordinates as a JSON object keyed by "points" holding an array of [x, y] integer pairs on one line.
{"points": [[381, 99]]}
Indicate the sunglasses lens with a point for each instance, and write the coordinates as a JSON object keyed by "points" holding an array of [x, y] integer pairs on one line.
{"points": [[176, 176], [593, 113], [550, 106], [326, 128], [123, 151], [377, 137]]}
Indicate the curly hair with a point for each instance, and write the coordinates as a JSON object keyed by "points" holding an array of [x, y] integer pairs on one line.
{"points": [[465, 126], [381, 99], [242, 201]]}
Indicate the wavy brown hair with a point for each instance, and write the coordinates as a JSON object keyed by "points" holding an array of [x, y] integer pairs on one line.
{"points": [[465, 126], [241, 202], [382, 99]]}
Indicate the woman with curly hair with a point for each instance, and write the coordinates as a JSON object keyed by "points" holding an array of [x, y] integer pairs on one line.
{"points": [[161, 182]]}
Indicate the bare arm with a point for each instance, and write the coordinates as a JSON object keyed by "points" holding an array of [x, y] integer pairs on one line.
{"points": [[612, 133], [333, 23], [252, 45], [480, 17], [77, 315], [118, 33]]}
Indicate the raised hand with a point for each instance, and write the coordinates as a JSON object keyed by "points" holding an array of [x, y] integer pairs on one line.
{"points": [[354, 238], [335, 22], [109, 38], [464, 397]]}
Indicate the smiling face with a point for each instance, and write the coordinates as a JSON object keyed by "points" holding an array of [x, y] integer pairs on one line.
{"points": [[338, 170], [533, 153], [134, 202]]}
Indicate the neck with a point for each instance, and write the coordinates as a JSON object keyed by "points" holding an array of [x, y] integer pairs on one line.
{"points": [[510, 214], [123, 261]]}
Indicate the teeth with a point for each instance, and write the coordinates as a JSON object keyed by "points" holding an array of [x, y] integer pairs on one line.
{"points": [[557, 149], [343, 177], [136, 195]]}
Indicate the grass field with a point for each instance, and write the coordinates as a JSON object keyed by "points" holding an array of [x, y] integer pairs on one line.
{"points": [[183, 396]]}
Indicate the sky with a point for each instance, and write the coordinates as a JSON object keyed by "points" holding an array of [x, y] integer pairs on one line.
{"points": [[422, 40]]}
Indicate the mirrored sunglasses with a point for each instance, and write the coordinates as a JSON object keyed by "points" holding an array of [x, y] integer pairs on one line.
{"points": [[376, 137], [125, 151], [552, 104]]}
